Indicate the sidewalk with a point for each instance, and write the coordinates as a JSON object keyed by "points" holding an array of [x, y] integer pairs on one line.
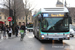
{"points": [[12, 36], [3, 38]]}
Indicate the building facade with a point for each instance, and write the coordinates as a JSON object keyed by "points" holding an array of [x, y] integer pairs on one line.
{"points": [[20, 12], [71, 10], [59, 4], [72, 14], [4, 16]]}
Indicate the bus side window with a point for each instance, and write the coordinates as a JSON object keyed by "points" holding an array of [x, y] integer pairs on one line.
{"points": [[70, 20], [38, 25]]}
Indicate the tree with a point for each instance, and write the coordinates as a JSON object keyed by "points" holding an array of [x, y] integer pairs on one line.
{"points": [[28, 9], [18, 9]]}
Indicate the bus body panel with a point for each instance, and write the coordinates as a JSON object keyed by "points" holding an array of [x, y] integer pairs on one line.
{"points": [[55, 36], [56, 13]]}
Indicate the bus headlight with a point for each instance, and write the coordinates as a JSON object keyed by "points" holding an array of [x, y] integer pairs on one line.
{"points": [[42, 36], [68, 35]]}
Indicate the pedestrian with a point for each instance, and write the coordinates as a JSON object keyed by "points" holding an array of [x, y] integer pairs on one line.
{"points": [[0, 31], [22, 30], [7, 29], [16, 30], [4, 30], [10, 32]]}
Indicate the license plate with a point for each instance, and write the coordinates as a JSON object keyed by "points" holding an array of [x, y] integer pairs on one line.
{"points": [[55, 38]]}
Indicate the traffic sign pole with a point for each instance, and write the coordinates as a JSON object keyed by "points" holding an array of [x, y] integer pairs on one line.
{"points": [[9, 19]]}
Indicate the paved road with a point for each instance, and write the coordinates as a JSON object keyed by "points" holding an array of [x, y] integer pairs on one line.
{"points": [[31, 43]]}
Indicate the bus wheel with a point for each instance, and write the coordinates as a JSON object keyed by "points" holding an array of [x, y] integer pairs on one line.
{"points": [[71, 35], [34, 36], [29, 30], [60, 41]]}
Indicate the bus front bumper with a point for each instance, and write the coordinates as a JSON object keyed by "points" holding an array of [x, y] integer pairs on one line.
{"points": [[55, 38]]}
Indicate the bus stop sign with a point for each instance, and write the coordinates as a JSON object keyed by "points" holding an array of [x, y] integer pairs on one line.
{"points": [[9, 19]]}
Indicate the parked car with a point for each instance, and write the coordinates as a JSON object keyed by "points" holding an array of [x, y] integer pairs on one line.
{"points": [[72, 32]]}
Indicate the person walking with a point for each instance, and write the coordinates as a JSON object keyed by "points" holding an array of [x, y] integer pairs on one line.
{"points": [[4, 30], [16, 30], [22, 30], [0, 31], [7, 29], [10, 32]]}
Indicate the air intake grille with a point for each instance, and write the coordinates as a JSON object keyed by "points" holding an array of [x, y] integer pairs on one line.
{"points": [[54, 9]]}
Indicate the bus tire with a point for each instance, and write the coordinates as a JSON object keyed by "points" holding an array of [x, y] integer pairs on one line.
{"points": [[29, 30], [72, 35], [35, 36], [33, 32], [60, 41]]}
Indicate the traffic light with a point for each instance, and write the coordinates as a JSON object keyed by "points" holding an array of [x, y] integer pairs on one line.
{"points": [[13, 22], [11, 12]]}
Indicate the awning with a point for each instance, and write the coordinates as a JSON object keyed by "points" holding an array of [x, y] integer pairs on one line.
{"points": [[1, 22]]}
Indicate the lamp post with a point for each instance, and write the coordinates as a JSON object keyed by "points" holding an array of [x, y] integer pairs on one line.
{"points": [[9, 13]]}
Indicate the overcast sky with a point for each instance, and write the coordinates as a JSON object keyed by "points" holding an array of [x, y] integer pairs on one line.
{"points": [[37, 4], [51, 3], [1, 2], [48, 3]]}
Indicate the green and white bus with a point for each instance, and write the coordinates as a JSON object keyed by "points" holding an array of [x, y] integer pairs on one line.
{"points": [[30, 27], [52, 24]]}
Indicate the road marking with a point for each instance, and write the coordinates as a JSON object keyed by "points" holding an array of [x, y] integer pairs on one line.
{"points": [[30, 36], [69, 47], [1, 40]]}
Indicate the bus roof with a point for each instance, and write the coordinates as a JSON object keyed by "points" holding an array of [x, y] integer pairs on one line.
{"points": [[56, 9], [52, 9]]}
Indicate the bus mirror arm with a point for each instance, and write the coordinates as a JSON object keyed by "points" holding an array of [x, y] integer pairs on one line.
{"points": [[39, 18], [70, 20], [37, 27]]}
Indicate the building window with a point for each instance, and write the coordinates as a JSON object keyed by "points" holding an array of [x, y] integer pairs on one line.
{"points": [[5, 17], [74, 20], [19, 17], [0, 17], [19, 23], [29, 18], [23, 18], [5, 22]]}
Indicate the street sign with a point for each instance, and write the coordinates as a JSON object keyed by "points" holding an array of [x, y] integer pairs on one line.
{"points": [[33, 15], [9, 19]]}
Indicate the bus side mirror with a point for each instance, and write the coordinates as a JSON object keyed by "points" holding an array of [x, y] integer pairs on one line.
{"points": [[70, 20], [39, 18]]}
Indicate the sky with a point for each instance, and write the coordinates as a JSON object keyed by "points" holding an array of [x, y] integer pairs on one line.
{"points": [[37, 4], [1, 2], [50, 3]]}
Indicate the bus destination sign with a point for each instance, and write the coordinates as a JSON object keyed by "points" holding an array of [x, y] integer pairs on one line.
{"points": [[57, 15], [53, 15]]}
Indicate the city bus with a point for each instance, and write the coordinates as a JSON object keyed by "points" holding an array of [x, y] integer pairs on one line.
{"points": [[52, 24], [30, 27]]}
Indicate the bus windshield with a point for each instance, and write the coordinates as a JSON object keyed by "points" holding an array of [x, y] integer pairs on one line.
{"points": [[55, 24], [29, 25]]}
